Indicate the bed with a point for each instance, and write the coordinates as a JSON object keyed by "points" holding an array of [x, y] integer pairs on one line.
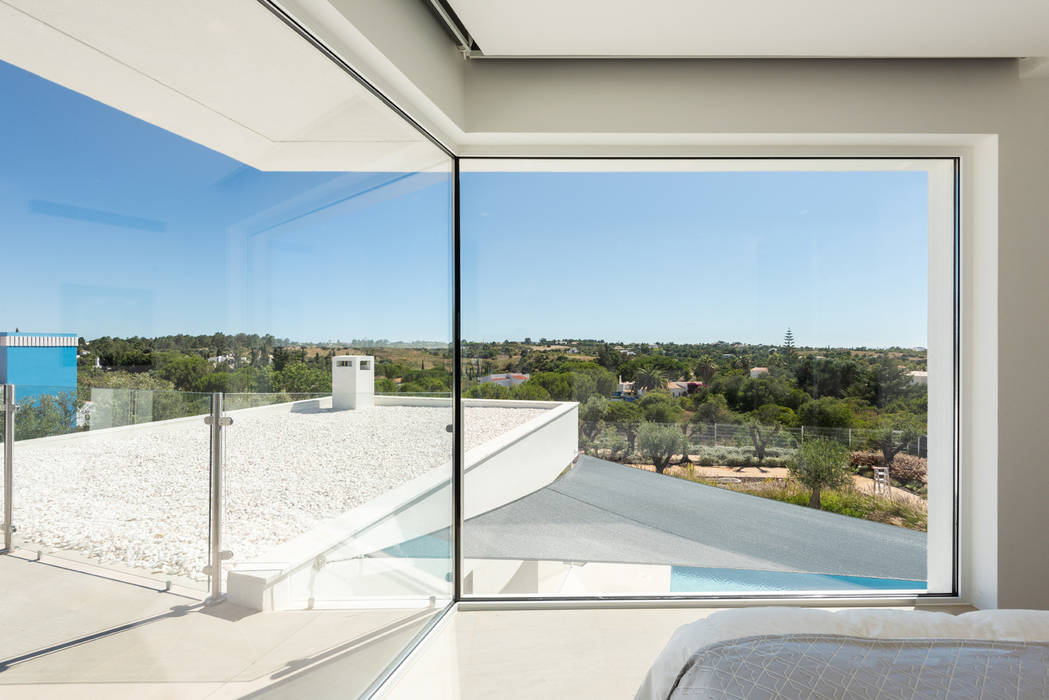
{"points": [[810, 653]]}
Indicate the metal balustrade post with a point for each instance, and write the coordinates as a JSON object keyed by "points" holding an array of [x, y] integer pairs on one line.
{"points": [[9, 408], [216, 555]]}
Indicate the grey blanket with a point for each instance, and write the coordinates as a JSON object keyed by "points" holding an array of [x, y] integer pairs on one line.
{"points": [[826, 666]]}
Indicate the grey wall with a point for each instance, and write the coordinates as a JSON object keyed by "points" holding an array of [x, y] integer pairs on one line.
{"points": [[830, 96]]}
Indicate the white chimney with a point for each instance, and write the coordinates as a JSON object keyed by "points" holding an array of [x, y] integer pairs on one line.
{"points": [[352, 381]]}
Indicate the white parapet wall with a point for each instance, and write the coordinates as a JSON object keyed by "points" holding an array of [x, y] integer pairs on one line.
{"points": [[328, 563]]}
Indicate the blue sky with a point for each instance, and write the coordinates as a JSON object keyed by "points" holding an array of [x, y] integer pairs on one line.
{"points": [[841, 258], [112, 226]]}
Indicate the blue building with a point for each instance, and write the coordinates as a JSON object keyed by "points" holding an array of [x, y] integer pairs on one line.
{"points": [[38, 363]]}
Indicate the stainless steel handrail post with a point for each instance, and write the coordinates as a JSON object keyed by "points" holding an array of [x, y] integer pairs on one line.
{"points": [[215, 554], [9, 407]]}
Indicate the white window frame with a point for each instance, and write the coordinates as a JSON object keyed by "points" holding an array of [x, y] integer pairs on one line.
{"points": [[943, 171]]}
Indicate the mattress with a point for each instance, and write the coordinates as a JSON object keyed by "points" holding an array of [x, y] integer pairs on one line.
{"points": [[717, 638]]}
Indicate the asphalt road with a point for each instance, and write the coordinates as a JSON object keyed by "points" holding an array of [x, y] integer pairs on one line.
{"points": [[603, 511]]}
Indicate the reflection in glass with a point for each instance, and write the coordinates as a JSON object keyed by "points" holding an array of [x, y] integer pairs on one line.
{"points": [[144, 274]]}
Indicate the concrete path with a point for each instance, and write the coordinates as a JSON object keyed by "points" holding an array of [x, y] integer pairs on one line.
{"points": [[603, 511]]}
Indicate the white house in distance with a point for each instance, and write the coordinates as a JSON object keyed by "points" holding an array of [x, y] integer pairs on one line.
{"points": [[508, 379], [756, 372], [681, 388], [919, 377]]}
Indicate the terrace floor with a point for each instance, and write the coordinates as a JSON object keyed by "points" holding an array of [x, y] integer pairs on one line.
{"points": [[68, 634], [71, 634]]}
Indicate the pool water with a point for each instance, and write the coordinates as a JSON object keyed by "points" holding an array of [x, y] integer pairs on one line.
{"points": [[687, 579]]}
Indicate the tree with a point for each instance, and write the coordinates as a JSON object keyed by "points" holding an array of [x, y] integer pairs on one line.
{"points": [[557, 384], [826, 412], [610, 359], [790, 353], [216, 381], [761, 435], [624, 416], [705, 369], [648, 378], [489, 390], [659, 443], [591, 417], [531, 392], [281, 357], [184, 371], [45, 415], [297, 377], [714, 409], [820, 464], [889, 381], [583, 386], [891, 434], [659, 407], [672, 368]]}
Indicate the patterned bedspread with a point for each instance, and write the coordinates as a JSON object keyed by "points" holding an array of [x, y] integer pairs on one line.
{"points": [[826, 666]]}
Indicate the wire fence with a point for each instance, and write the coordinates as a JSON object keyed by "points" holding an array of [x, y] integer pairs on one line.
{"points": [[734, 435]]}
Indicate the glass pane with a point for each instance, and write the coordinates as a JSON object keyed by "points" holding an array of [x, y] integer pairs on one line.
{"points": [[116, 478], [146, 272], [738, 349], [327, 479]]}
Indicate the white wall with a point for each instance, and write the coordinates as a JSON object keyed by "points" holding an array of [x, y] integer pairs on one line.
{"points": [[325, 563]]}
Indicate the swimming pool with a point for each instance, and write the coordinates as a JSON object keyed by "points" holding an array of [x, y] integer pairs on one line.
{"points": [[687, 579]]}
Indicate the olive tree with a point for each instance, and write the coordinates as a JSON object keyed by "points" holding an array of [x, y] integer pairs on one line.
{"points": [[820, 464], [892, 433], [761, 435], [591, 417], [659, 443], [626, 417]]}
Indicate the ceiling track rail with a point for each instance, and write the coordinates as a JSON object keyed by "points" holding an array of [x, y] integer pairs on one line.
{"points": [[455, 27]]}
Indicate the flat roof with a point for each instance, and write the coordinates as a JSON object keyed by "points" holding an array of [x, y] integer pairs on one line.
{"points": [[602, 511]]}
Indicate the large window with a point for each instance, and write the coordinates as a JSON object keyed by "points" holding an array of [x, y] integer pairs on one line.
{"points": [[740, 374]]}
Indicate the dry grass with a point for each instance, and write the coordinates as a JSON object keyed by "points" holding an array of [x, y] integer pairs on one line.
{"points": [[911, 513]]}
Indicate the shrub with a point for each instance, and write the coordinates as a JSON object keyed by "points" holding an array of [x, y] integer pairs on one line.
{"points": [[910, 469], [864, 459], [845, 501], [905, 468]]}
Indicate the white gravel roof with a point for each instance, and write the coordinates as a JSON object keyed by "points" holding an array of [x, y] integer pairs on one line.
{"points": [[138, 496]]}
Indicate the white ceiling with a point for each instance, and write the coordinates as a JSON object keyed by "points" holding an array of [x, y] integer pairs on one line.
{"points": [[758, 28], [229, 75]]}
